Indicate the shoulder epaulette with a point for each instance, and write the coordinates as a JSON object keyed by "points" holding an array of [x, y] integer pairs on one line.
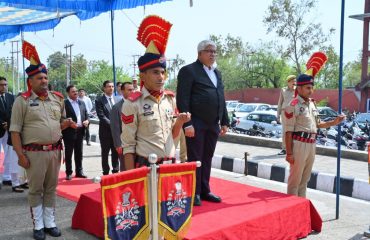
{"points": [[134, 96], [58, 94], [169, 93], [294, 102], [26, 95]]}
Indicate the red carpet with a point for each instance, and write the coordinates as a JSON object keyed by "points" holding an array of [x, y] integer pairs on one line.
{"points": [[245, 213], [72, 190]]}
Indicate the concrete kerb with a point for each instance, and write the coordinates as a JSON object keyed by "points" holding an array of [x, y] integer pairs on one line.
{"points": [[320, 181]]}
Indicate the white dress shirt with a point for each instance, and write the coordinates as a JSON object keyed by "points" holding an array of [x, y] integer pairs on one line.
{"points": [[211, 73], [76, 109]]}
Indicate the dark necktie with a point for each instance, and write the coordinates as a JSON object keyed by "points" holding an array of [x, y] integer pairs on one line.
{"points": [[110, 103], [3, 101]]}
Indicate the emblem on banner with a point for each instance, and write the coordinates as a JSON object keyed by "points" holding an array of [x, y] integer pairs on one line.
{"points": [[176, 201], [127, 213]]}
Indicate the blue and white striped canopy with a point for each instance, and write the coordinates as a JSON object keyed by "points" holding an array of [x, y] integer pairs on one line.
{"points": [[18, 16]]}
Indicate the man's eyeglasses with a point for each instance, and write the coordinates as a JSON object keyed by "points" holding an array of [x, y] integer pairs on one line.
{"points": [[210, 51]]}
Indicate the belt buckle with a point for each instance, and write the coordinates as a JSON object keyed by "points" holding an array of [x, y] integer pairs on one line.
{"points": [[47, 147]]}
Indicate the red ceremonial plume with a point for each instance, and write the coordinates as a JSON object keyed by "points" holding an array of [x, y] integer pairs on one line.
{"points": [[315, 63], [30, 53], [154, 29]]}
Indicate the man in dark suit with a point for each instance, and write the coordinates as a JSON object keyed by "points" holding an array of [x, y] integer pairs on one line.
{"points": [[6, 103], [75, 109], [116, 122], [200, 91], [104, 105]]}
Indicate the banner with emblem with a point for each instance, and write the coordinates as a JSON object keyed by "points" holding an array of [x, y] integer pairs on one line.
{"points": [[176, 190], [125, 205]]}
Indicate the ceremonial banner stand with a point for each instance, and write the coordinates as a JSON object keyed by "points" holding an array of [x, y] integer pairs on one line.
{"points": [[162, 210]]}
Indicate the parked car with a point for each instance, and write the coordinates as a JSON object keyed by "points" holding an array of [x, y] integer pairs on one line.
{"points": [[327, 113], [362, 119], [272, 108], [265, 119], [246, 108], [231, 105]]}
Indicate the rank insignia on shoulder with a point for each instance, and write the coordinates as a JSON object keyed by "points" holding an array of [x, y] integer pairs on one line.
{"points": [[58, 94], [127, 119], [169, 93], [134, 96], [288, 115], [294, 102]]}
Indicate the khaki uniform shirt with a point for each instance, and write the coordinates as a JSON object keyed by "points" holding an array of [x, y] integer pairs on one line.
{"points": [[147, 125], [286, 95], [38, 121], [301, 116]]}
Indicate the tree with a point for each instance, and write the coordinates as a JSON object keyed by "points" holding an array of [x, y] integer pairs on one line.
{"points": [[352, 73], [328, 77], [287, 19], [56, 60], [79, 66]]}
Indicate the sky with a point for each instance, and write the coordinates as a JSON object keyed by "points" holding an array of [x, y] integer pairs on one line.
{"points": [[243, 18]]}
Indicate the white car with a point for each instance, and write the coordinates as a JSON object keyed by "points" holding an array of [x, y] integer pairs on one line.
{"points": [[230, 106], [246, 108], [265, 119]]}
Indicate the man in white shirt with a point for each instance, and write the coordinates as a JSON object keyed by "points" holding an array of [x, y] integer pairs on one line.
{"points": [[119, 95], [83, 97], [73, 135]]}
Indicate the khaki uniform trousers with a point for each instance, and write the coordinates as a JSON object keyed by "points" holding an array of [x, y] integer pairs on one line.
{"points": [[300, 171], [43, 177]]}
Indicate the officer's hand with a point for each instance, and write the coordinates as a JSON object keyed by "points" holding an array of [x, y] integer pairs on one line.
{"points": [[119, 150], [190, 131], [223, 130], [24, 162], [5, 125], [73, 125], [184, 117], [339, 119], [289, 158], [85, 123]]}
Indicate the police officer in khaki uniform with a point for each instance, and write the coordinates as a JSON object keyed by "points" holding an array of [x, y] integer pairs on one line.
{"points": [[302, 122], [286, 95], [35, 128], [148, 117]]}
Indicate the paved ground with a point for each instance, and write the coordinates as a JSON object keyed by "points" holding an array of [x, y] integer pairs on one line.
{"points": [[15, 222]]}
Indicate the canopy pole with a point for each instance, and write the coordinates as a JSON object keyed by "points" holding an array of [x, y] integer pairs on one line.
{"points": [[339, 109], [24, 71], [114, 63]]}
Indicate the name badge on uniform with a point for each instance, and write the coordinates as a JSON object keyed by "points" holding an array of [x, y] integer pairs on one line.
{"points": [[147, 110], [33, 103]]}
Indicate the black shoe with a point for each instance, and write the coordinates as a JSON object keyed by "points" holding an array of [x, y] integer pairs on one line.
{"points": [[7, 182], [210, 197], [81, 175], [24, 186], [197, 201], [39, 234], [282, 152], [88, 144], [69, 177], [17, 189], [54, 232]]}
